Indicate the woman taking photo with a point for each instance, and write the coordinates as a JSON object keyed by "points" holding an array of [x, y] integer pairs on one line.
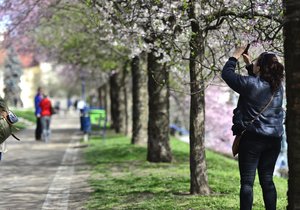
{"points": [[259, 119]]}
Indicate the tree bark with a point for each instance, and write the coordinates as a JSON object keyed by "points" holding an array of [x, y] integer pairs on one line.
{"points": [[199, 180], [124, 99], [114, 95], [292, 65], [139, 103], [158, 123], [103, 100], [117, 99], [12, 74], [102, 96]]}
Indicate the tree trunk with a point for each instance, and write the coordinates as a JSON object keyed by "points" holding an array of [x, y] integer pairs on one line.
{"points": [[292, 65], [103, 100], [117, 102], [139, 103], [114, 95], [12, 78], [199, 180], [158, 123], [107, 104], [124, 99], [102, 96]]}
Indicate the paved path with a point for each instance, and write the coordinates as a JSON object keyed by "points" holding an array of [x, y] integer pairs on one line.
{"points": [[38, 175]]}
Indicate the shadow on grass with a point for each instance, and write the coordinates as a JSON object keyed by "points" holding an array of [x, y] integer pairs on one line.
{"points": [[119, 154], [111, 152], [135, 185]]}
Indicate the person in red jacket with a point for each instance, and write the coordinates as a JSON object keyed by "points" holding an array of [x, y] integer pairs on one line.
{"points": [[46, 112]]}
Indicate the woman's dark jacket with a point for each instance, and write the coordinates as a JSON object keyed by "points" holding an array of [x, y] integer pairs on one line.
{"points": [[255, 93]]}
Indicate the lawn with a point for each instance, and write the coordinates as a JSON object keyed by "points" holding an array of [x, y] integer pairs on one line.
{"points": [[122, 179], [25, 116]]}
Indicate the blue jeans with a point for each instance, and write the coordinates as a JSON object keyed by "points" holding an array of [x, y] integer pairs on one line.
{"points": [[258, 152], [45, 120]]}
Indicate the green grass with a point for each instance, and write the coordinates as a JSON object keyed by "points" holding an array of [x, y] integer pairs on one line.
{"points": [[122, 179], [26, 114]]}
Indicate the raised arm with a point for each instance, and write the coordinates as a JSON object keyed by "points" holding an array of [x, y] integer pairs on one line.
{"points": [[235, 81]]}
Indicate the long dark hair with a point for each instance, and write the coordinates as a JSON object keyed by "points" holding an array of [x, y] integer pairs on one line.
{"points": [[271, 70]]}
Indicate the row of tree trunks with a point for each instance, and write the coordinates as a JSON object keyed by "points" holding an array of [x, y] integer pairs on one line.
{"points": [[292, 65], [158, 116], [158, 110]]}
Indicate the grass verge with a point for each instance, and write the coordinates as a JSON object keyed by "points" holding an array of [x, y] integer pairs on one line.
{"points": [[25, 116], [122, 179]]}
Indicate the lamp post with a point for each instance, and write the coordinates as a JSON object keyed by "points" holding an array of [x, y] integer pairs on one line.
{"points": [[83, 84]]}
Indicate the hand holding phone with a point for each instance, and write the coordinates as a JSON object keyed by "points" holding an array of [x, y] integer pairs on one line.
{"points": [[238, 52], [12, 118], [247, 59], [246, 50]]}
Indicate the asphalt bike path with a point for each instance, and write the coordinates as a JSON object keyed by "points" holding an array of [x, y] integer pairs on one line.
{"points": [[39, 175]]}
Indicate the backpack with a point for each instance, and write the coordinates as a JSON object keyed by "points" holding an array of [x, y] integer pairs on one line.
{"points": [[7, 119]]}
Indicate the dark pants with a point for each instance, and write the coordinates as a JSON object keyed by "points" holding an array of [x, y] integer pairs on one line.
{"points": [[258, 152], [38, 130]]}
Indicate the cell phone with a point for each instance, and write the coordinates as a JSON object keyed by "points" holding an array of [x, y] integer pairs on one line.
{"points": [[246, 50], [12, 118]]}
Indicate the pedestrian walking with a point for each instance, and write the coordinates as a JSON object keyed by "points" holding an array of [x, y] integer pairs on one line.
{"points": [[258, 118], [37, 100], [69, 103], [75, 104], [46, 112]]}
